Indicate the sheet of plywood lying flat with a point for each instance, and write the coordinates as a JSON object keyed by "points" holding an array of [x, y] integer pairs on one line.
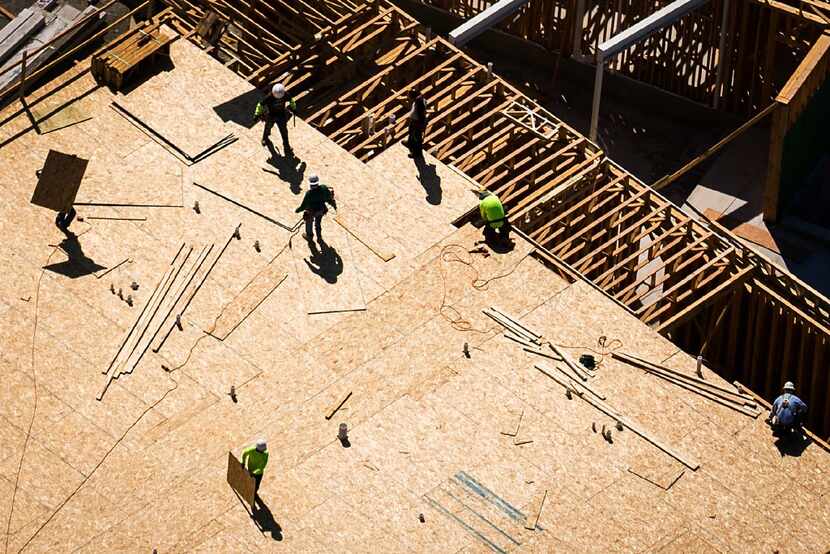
{"points": [[330, 280], [254, 294], [49, 120], [165, 103]]}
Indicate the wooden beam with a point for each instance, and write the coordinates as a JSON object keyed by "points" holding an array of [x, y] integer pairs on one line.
{"points": [[709, 298]]}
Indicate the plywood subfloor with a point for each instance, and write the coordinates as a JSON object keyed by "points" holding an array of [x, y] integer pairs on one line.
{"points": [[427, 468]]}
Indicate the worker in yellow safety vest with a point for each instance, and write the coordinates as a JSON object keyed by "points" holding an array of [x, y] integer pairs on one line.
{"points": [[496, 225], [254, 459]]}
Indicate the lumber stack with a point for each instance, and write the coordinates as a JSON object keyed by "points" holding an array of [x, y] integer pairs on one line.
{"points": [[134, 50], [725, 396], [18, 31], [66, 27]]}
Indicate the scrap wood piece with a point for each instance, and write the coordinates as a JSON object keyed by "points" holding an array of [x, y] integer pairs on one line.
{"points": [[633, 426], [240, 480], [571, 381], [246, 208], [59, 181], [516, 322], [509, 327], [520, 340], [227, 140], [336, 408], [385, 256], [106, 271], [535, 511], [663, 478]]}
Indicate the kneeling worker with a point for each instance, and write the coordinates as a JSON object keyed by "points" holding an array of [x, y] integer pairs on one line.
{"points": [[787, 412], [254, 459], [496, 225]]}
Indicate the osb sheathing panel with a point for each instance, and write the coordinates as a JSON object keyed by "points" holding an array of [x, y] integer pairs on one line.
{"points": [[164, 103], [808, 513], [433, 187], [328, 276], [26, 512], [419, 413], [726, 517]]}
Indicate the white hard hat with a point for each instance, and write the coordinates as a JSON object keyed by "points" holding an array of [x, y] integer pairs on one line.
{"points": [[789, 386], [313, 180], [260, 445], [278, 90]]}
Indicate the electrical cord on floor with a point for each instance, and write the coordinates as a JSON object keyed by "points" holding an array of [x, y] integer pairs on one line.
{"points": [[603, 349], [34, 408], [123, 435], [450, 254]]}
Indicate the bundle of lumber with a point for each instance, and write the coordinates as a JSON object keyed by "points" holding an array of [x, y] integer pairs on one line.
{"points": [[133, 50], [67, 26], [728, 396]]}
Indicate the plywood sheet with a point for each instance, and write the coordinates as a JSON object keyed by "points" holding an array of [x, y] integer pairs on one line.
{"points": [[164, 103], [248, 300], [49, 120], [240, 480], [59, 181]]}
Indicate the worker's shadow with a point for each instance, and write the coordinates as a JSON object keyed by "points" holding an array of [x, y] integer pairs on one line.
{"points": [[429, 179], [288, 168], [262, 517], [78, 264], [792, 445], [265, 521], [324, 261]]}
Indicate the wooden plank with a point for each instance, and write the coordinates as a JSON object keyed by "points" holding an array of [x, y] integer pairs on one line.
{"points": [[633, 426], [17, 32], [535, 511]]}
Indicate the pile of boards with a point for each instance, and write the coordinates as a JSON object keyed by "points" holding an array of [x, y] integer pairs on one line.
{"points": [[31, 31], [133, 50]]}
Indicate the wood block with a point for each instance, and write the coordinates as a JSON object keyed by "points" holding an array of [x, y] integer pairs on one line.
{"points": [[59, 181]]}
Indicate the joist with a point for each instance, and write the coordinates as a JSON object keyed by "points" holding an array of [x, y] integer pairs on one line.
{"points": [[577, 171]]}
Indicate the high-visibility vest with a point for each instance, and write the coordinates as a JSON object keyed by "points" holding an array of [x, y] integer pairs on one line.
{"points": [[492, 211]]}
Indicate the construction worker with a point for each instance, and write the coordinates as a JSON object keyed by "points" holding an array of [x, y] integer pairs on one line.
{"points": [[313, 206], [254, 459], [496, 225], [277, 107], [64, 219], [787, 413], [417, 124]]}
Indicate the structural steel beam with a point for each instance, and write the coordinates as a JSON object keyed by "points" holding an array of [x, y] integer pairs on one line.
{"points": [[483, 21]]}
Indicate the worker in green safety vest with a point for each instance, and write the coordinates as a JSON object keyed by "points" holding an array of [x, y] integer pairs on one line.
{"points": [[496, 225], [254, 459]]}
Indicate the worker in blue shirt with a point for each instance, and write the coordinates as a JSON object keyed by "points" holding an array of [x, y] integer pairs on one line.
{"points": [[787, 413]]}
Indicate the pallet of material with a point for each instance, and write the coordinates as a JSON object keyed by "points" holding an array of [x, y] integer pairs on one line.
{"points": [[66, 28], [135, 49]]}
